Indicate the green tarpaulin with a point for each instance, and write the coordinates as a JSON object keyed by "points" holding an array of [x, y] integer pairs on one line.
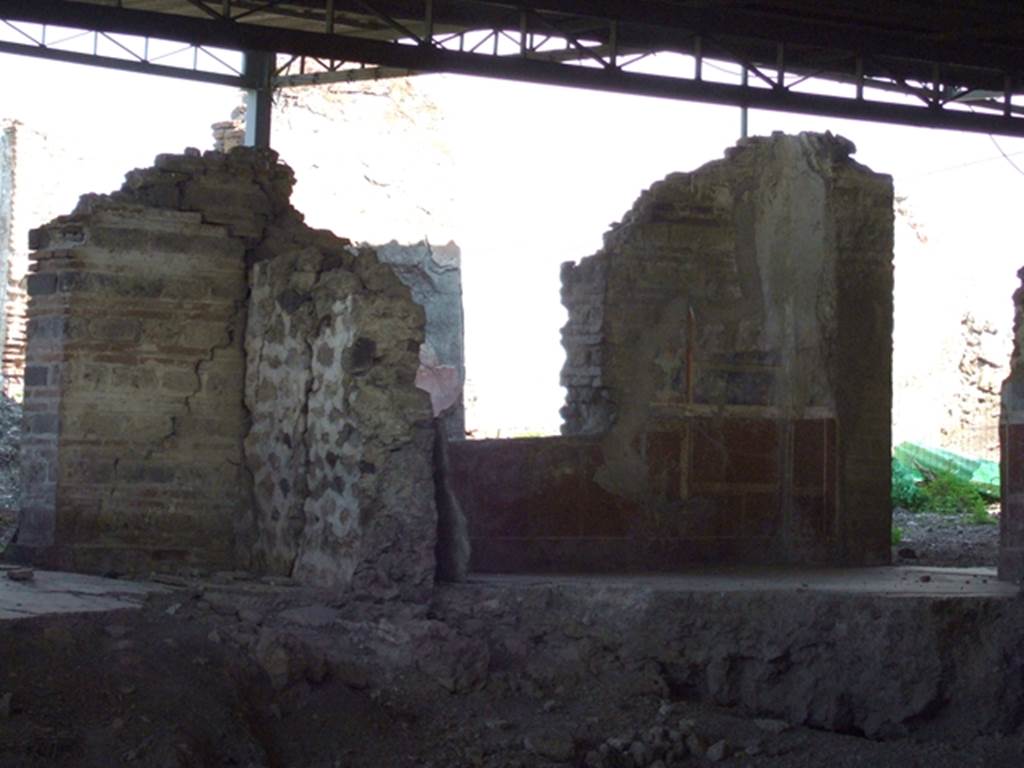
{"points": [[981, 473]]}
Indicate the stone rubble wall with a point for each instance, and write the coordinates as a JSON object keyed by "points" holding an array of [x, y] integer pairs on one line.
{"points": [[8, 158], [588, 408], [729, 352], [973, 424], [228, 134], [212, 383], [13, 257], [341, 443]]}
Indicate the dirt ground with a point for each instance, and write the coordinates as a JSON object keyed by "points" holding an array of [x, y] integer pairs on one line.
{"points": [[166, 687], [944, 540]]}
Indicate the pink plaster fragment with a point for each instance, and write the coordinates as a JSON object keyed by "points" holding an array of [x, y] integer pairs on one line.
{"points": [[441, 382]]}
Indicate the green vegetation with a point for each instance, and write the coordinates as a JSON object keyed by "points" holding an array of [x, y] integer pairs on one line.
{"points": [[983, 518], [947, 494], [897, 535], [941, 491], [905, 490]]}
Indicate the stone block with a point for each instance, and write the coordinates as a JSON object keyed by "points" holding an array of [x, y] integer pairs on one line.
{"points": [[42, 423], [42, 284], [36, 375]]}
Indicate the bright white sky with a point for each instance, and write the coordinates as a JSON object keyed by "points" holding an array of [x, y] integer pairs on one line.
{"points": [[540, 173]]}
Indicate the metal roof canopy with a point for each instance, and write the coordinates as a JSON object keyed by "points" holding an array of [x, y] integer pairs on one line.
{"points": [[955, 65]]}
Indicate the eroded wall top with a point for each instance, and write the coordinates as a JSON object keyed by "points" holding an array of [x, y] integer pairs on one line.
{"points": [[212, 382], [718, 287]]}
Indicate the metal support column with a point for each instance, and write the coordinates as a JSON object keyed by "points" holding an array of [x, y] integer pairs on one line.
{"points": [[258, 71], [744, 110]]}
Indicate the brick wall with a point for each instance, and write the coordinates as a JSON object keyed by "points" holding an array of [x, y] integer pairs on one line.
{"points": [[12, 319], [713, 488], [213, 384], [728, 360], [29, 161], [132, 450]]}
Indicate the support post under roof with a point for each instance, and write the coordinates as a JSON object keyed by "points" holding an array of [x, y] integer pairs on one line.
{"points": [[259, 72]]}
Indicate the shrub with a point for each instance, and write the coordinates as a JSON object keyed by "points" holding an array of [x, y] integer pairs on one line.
{"points": [[897, 535], [947, 494], [905, 491], [983, 518]]}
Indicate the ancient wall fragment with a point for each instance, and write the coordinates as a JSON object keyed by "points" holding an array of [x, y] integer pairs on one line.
{"points": [[228, 134], [134, 419], [742, 256], [1011, 453], [341, 443], [131, 452], [972, 425], [433, 275], [213, 383], [728, 362], [8, 134], [14, 213]]}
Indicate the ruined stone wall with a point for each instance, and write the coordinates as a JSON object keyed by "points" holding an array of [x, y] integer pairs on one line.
{"points": [[588, 408], [213, 383], [8, 132], [228, 134], [29, 162], [12, 266], [749, 245], [859, 359], [728, 357], [131, 452], [1011, 453], [972, 426], [341, 443]]}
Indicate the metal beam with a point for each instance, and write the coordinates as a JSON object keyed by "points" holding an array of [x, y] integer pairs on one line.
{"points": [[432, 58], [341, 75], [816, 30], [123, 65], [288, 77]]}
